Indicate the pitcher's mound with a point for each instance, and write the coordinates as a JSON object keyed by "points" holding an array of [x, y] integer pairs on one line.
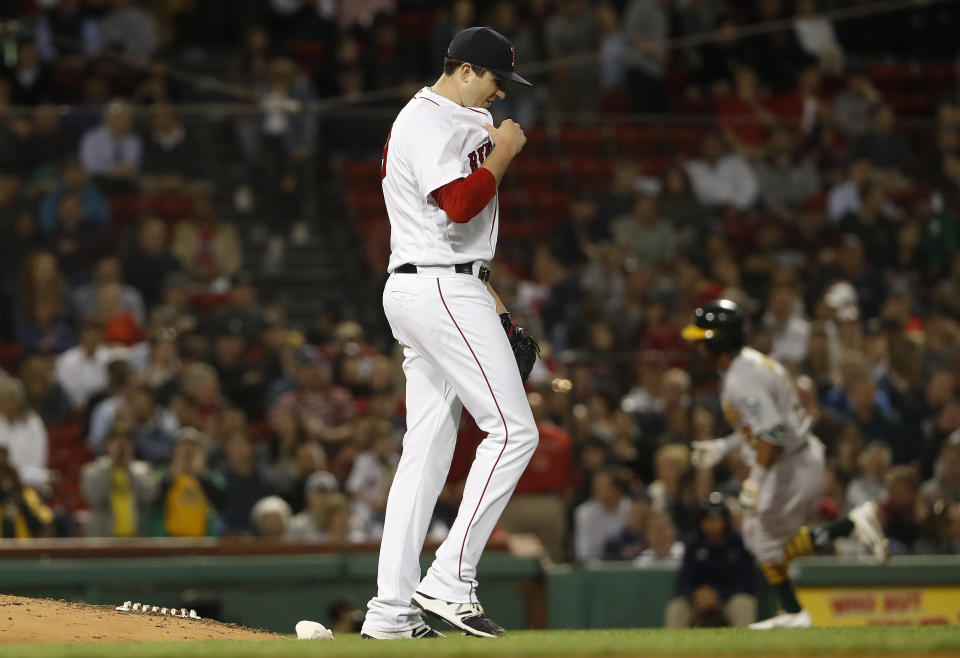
{"points": [[42, 620]]}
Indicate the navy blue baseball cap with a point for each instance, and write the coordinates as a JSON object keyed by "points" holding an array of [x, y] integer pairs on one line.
{"points": [[487, 48]]}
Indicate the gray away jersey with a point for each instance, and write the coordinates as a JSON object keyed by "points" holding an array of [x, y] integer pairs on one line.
{"points": [[760, 401]]}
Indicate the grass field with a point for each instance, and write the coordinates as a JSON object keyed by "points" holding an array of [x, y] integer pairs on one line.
{"points": [[873, 641]]}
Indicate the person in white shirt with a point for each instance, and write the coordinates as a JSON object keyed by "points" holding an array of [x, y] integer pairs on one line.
{"points": [[440, 169], [23, 435], [791, 330], [663, 546], [721, 177], [82, 370], [369, 480], [601, 517]]}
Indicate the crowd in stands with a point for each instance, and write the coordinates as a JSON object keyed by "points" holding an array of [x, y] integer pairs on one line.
{"points": [[147, 388]]}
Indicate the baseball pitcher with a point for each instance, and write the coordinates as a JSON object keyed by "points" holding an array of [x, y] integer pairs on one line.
{"points": [[441, 167]]}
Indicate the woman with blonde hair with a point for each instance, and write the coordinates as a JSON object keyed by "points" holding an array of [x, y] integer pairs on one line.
{"points": [[22, 434]]}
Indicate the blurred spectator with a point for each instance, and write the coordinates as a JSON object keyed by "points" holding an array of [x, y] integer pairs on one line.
{"points": [[671, 462], [789, 328], [206, 246], [107, 404], [45, 329], [67, 33], [903, 510], [844, 197], [774, 54], [82, 370], [113, 151], [189, 496], [715, 584], [722, 178], [94, 212], [631, 541], [129, 29], [571, 30], [47, 144], [86, 298], [22, 514], [944, 486], [646, 25], [459, 16], [270, 517], [73, 242], [744, 116], [603, 516], [247, 482], [39, 278], [148, 261], [244, 382], [119, 489], [22, 435], [816, 36], [886, 148], [875, 461], [786, 178], [43, 393], [644, 236], [293, 469], [319, 488], [663, 547], [29, 77], [714, 63], [372, 473], [169, 156], [154, 426], [321, 410]]}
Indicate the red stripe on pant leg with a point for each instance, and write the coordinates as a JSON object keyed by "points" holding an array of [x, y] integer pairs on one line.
{"points": [[506, 434]]}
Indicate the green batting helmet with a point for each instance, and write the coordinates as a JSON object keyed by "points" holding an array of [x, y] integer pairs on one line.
{"points": [[718, 324]]}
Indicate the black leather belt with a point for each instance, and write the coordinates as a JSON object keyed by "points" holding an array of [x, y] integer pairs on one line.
{"points": [[460, 268]]}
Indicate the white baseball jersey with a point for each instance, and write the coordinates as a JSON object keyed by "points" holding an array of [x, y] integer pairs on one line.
{"points": [[435, 141], [760, 401]]}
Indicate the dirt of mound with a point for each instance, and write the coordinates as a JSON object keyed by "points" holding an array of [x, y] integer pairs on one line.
{"points": [[41, 620]]}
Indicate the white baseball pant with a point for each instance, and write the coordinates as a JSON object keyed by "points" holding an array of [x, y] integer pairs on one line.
{"points": [[456, 354], [788, 495]]}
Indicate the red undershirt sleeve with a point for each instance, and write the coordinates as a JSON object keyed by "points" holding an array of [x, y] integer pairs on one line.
{"points": [[464, 198]]}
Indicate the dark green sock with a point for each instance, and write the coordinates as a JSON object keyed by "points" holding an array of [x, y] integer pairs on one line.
{"points": [[788, 598], [822, 535]]}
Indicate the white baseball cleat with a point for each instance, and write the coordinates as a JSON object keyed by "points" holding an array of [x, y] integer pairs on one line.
{"points": [[867, 528], [786, 620], [311, 630], [466, 617], [421, 632]]}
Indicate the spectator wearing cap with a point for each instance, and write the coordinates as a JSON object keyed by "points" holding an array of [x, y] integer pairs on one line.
{"points": [[22, 434], [189, 496], [318, 490], [601, 517], [321, 410], [22, 514], [270, 518], [120, 489], [82, 370], [244, 382], [247, 482], [112, 151], [663, 547], [715, 584]]}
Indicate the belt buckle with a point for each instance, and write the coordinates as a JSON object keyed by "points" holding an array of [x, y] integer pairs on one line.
{"points": [[483, 273]]}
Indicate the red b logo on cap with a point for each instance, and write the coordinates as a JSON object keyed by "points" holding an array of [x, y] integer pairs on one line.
{"points": [[514, 51]]}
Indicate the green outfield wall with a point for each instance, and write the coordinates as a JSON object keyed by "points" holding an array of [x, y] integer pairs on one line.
{"points": [[276, 591]]}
